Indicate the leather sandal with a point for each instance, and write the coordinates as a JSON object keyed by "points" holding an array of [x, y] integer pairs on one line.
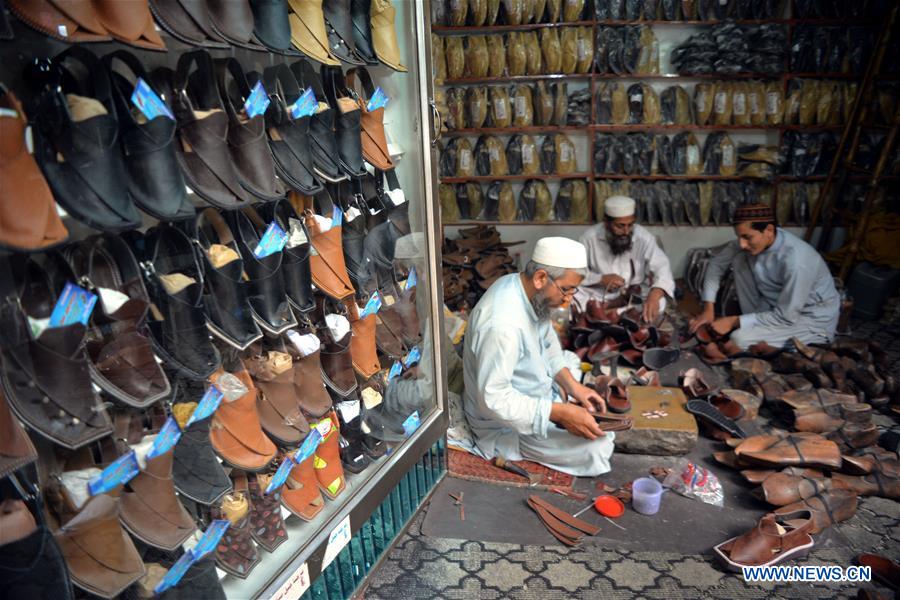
{"points": [[187, 21], [28, 211], [353, 238], [329, 271], [308, 384], [236, 553], [64, 21], [151, 511], [402, 317], [266, 523], [772, 541], [384, 34], [827, 508], [614, 393], [122, 362], [362, 31], [233, 21], [301, 493], [347, 116], [76, 143], [795, 449], [374, 142], [226, 289], [694, 385], [16, 449], [327, 461], [295, 261], [609, 422], [31, 561], [289, 138], [236, 433], [867, 460], [878, 484], [884, 570], [853, 436], [819, 420], [271, 26], [337, 363], [308, 34], [277, 404], [782, 489], [339, 28], [131, 24], [362, 343], [816, 398], [46, 380], [203, 132], [265, 282], [101, 558], [710, 414]]}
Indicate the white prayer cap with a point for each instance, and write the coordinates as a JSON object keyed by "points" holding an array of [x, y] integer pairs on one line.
{"points": [[560, 252], [619, 206]]}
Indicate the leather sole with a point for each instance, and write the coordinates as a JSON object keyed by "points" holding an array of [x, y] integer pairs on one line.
{"points": [[228, 340]]}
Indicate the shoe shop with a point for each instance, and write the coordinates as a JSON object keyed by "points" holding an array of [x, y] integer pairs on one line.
{"points": [[463, 299]]}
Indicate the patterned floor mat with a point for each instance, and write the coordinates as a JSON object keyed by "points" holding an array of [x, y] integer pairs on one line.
{"points": [[465, 465]]}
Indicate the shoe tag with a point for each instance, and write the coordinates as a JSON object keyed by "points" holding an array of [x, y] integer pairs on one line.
{"points": [[351, 214], [74, 305], [112, 300], [305, 344], [412, 279], [257, 102], [378, 100], [308, 447], [174, 575], [207, 405], [305, 106], [411, 423], [166, 439], [272, 241], [414, 356], [325, 427], [297, 235], [349, 409], [371, 398], [120, 471], [337, 217], [148, 102], [396, 368], [280, 476], [373, 305], [210, 538], [397, 196]]}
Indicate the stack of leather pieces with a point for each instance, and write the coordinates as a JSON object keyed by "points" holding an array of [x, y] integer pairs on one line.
{"points": [[472, 263], [564, 527]]}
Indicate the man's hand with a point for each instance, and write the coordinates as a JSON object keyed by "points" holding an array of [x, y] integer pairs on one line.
{"points": [[707, 316], [587, 398], [651, 305], [725, 325], [576, 420], [612, 281]]}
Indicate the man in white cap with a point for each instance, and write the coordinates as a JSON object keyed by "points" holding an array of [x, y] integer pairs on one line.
{"points": [[622, 254], [516, 380]]}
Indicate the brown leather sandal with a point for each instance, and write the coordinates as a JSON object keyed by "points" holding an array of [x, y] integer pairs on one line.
{"points": [[773, 540]]}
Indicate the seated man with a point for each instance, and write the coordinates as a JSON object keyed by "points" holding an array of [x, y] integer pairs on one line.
{"points": [[621, 254], [784, 288], [516, 380]]}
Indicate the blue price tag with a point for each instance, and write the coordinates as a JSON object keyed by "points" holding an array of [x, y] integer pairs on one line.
{"points": [[372, 306], [396, 369], [412, 279], [148, 102], [120, 471], [308, 447], [257, 102], [174, 575], [272, 241], [378, 100], [210, 538], [305, 106], [414, 356], [337, 217], [411, 423], [207, 405], [280, 476], [166, 439], [74, 305]]}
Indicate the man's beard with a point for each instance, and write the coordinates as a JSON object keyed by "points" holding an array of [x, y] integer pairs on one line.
{"points": [[541, 305], [620, 244]]}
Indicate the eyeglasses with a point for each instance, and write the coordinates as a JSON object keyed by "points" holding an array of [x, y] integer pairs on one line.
{"points": [[569, 291]]}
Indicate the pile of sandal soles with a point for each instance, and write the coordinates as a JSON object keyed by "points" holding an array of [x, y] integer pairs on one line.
{"points": [[472, 263], [569, 530]]}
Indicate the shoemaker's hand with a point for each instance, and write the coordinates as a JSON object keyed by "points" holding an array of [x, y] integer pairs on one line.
{"points": [[725, 325], [587, 398], [651, 305], [707, 316], [612, 281], [576, 420]]}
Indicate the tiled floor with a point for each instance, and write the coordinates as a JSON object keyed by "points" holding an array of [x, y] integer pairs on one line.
{"points": [[426, 567]]}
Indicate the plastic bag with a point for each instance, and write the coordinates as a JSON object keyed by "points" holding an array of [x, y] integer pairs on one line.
{"points": [[694, 481], [565, 155], [449, 206], [493, 11], [477, 62], [490, 156], [513, 9], [527, 11], [728, 164], [635, 103], [809, 102], [438, 59], [619, 104], [496, 56], [572, 10], [533, 60], [539, 8], [456, 56], [456, 108], [584, 49], [543, 104], [603, 103], [703, 102], [543, 202], [514, 154], [723, 106], [740, 109], [462, 201], [477, 12], [516, 59], [774, 103], [476, 106], [705, 191], [507, 202], [500, 110], [531, 161], [652, 114], [554, 11], [563, 208], [548, 155], [522, 105], [756, 102], [476, 199], [560, 104], [648, 59], [579, 209], [457, 13], [550, 50], [568, 46], [527, 202], [465, 159]]}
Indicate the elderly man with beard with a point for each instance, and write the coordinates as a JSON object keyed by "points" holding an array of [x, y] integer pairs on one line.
{"points": [[521, 400], [622, 254]]}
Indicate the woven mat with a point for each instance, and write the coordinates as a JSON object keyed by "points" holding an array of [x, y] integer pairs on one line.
{"points": [[464, 465]]}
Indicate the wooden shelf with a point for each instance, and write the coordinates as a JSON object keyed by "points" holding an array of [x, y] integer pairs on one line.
{"points": [[488, 178], [451, 29], [516, 78], [448, 29], [603, 127], [513, 130]]}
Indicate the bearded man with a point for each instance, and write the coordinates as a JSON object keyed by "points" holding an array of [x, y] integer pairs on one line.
{"points": [[622, 255], [516, 380]]}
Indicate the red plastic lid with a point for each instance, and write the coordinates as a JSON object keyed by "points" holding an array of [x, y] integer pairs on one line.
{"points": [[609, 506]]}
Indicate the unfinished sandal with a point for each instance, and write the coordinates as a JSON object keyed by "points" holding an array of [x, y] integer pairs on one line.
{"points": [[827, 508], [772, 541], [710, 414]]}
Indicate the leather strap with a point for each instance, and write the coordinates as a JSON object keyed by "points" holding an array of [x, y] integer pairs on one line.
{"points": [[565, 517], [560, 530], [825, 505], [364, 78], [796, 446]]}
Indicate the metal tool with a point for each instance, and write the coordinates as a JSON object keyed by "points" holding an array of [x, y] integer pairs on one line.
{"points": [[583, 510], [502, 463]]}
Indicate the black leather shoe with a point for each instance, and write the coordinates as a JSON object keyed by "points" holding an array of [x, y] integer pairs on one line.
{"points": [[202, 150], [174, 281], [233, 20], [270, 24], [347, 121], [289, 139], [154, 177], [247, 141], [265, 285], [295, 261], [326, 158], [228, 311], [76, 141], [353, 238], [362, 31], [188, 21], [339, 26]]}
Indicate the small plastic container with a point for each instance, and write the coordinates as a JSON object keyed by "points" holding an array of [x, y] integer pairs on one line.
{"points": [[609, 506], [645, 495]]}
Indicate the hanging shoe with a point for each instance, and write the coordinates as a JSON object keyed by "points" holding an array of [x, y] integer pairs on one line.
{"points": [[353, 239], [346, 122], [337, 363], [307, 21], [188, 21], [362, 32], [362, 343], [327, 460], [277, 403], [384, 34], [236, 553], [374, 141], [233, 21], [308, 385], [325, 154], [16, 449], [271, 26], [339, 28], [76, 142], [266, 523], [295, 262], [31, 224], [236, 433], [301, 494], [131, 24], [59, 21], [329, 271], [121, 355]]}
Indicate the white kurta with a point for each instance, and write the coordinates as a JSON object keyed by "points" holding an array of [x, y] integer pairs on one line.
{"points": [[645, 264], [509, 363]]}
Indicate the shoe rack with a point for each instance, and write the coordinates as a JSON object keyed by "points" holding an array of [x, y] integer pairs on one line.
{"points": [[678, 30]]}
